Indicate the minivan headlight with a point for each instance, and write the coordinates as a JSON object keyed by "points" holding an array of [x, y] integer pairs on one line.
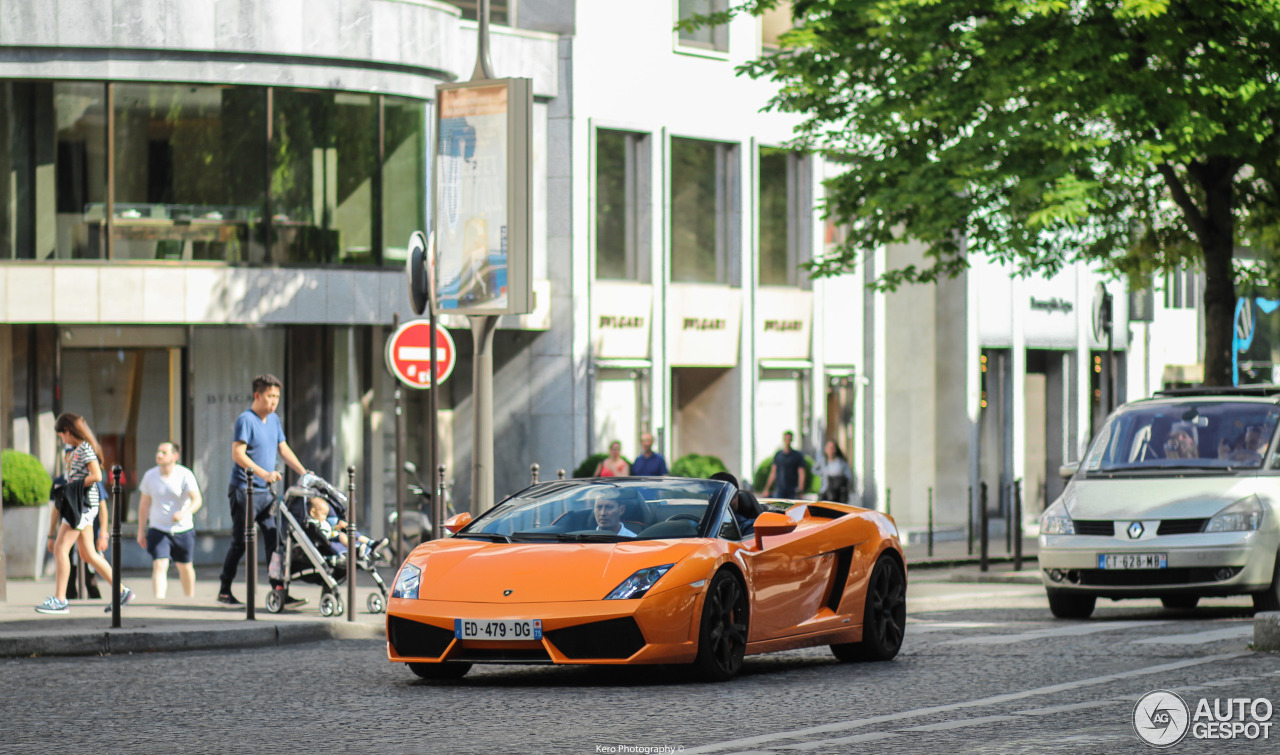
{"points": [[1241, 516], [1056, 521], [407, 582]]}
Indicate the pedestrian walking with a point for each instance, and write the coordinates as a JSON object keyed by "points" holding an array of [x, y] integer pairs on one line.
{"points": [[166, 519], [78, 505], [836, 474], [649, 463], [787, 473], [613, 465], [257, 442]]}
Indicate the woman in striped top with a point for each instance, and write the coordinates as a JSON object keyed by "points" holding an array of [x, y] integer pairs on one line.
{"points": [[83, 468]]}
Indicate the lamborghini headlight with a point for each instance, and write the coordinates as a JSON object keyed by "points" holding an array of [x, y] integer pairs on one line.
{"points": [[1241, 516], [639, 583], [407, 582], [1056, 521]]}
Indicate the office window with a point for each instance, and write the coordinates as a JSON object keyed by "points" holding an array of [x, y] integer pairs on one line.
{"points": [[188, 169], [704, 211], [704, 37], [622, 205], [783, 230], [500, 12], [404, 176]]}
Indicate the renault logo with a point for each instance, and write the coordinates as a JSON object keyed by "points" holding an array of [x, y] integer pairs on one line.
{"points": [[505, 593], [1135, 530]]}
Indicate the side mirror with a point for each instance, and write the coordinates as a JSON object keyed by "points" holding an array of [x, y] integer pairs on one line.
{"points": [[770, 524], [1067, 471], [457, 521], [410, 467]]}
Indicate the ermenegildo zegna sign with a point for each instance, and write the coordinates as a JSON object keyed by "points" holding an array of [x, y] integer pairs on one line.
{"points": [[704, 325]]}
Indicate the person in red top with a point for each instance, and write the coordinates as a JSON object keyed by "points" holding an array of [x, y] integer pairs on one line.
{"points": [[614, 465]]}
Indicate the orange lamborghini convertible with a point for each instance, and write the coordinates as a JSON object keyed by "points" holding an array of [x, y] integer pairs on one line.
{"points": [[646, 570]]}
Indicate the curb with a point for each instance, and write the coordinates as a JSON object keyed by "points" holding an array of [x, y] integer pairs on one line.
{"points": [[1266, 631], [1012, 578], [168, 639], [949, 563]]}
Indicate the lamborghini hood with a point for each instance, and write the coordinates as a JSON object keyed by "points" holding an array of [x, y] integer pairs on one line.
{"points": [[483, 572]]}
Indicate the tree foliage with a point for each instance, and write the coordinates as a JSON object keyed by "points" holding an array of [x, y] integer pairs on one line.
{"points": [[1140, 135]]}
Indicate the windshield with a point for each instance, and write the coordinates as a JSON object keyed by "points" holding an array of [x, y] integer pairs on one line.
{"points": [[602, 511], [1183, 435]]}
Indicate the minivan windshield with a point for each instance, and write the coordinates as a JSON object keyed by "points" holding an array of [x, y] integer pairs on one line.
{"points": [[1186, 434]]}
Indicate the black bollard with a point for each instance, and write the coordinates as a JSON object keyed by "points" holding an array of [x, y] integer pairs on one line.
{"points": [[1017, 525], [250, 547], [352, 546], [560, 474], [533, 473], [983, 535], [930, 522], [117, 513], [1008, 516], [969, 526]]}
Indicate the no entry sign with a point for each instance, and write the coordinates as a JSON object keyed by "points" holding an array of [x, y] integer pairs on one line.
{"points": [[409, 354]]}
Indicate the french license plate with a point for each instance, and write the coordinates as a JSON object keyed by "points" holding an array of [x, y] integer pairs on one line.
{"points": [[1132, 561], [507, 629]]}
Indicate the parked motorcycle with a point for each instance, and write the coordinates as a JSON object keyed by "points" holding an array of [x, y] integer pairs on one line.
{"points": [[415, 526]]}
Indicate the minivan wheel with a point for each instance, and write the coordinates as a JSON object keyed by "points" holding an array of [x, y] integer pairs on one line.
{"points": [[1181, 602], [1269, 599], [1070, 605]]}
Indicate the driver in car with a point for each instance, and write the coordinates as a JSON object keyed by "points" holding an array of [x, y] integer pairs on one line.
{"points": [[1181, 444], [609, 515]]}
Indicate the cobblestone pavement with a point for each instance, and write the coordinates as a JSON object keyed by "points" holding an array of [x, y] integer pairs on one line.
{"points": [[985, 669]]}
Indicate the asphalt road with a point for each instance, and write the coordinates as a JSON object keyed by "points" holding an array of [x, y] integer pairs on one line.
{"points": [[985, 669]]}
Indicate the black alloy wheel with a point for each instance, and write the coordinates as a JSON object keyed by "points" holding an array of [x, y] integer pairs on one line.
{"points": [[722, 638], [884, 618], [440, 671]]}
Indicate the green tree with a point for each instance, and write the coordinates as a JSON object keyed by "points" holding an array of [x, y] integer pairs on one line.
{"points": [[1135, 134]]}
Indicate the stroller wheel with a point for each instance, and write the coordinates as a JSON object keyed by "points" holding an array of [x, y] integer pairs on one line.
{"points": [[342, 607], [328, 605], [275, 601], [376, 603]]}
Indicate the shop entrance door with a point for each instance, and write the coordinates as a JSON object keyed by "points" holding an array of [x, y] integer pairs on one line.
{"points": [[131, 399]]}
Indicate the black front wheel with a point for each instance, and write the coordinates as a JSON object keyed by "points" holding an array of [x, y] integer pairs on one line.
{"points": [[722, 638], [1269, 599], [1180, 602], [884, 617], [440, 671], [1066, 604]]}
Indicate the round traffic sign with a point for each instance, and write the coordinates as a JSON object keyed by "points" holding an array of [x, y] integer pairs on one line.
{"points": [[409, 354]]}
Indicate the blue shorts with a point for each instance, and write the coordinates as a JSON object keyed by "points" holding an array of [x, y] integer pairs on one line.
{"points": [[181, 545]]}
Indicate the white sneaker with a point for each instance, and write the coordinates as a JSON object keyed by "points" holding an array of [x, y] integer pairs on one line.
{"points": [[126, 595], [53, 605]]}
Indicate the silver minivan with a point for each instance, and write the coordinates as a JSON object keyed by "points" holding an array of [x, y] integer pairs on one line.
{"points": [[1176, 499]]}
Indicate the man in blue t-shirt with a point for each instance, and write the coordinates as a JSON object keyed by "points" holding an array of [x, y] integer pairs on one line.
{"points": [[649, 463], [787, 470], [257, 441]]}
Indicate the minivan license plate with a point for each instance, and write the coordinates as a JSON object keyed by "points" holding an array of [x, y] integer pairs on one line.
{"points": [[508, 629], [1132, 561]]}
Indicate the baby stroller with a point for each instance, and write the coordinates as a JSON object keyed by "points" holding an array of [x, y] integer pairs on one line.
{"points": [[309, 556]]}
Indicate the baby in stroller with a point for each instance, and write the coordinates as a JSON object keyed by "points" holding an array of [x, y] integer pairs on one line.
{"points": [[325, 521]]}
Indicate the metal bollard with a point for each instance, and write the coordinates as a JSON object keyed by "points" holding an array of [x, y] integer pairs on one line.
{"points": [[982, 526], [1017, 525], [250, 547], [1008, 516], [353, 547], [438, 505], [931, 522], [969, 525], [117, 512], [560, 474], [533, 473]]}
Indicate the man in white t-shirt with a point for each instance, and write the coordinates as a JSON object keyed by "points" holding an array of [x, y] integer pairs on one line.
{"points": [[170, 498]]}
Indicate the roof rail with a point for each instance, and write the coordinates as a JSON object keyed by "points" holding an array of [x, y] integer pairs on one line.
{"points": [[1257, 389]]}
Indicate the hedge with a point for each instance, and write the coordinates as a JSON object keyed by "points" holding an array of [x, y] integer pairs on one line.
{"points": [[26, 483], [700, 466]]}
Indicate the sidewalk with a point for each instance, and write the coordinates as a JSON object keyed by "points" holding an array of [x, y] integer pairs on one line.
{"points": [[955, 553], [176, 623]]}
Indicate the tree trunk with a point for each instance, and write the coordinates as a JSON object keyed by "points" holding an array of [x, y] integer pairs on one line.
{"points": [[1217, 244]]}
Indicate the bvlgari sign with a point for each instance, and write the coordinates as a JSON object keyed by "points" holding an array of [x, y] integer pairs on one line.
{"points": [[620, 314], [783, 317], [704, 325]]}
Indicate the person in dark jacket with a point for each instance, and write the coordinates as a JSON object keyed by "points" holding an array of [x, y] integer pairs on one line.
{"points": [[79, 505]]}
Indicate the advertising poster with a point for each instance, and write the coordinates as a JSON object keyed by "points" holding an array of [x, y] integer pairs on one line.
{"points": [[471, 192]]}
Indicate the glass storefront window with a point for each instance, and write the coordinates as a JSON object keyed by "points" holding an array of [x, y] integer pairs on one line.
{"points": [[784, 227], [404, 176], [323, 167], [189, 178], [704, 208], [53, 164], [622, 205]]}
